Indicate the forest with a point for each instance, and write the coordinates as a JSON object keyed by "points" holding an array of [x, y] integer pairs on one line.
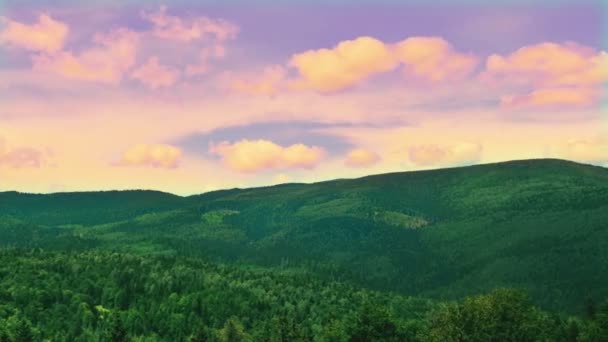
{"points": [[499, 252], [101, 296]]}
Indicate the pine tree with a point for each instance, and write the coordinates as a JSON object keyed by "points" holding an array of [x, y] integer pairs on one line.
{"points": [[233, 331], [4, 337], [118, 333], [24, 332], [201, 335]]}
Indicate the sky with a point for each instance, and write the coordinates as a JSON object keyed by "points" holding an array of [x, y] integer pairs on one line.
{"points": [[192, 96]]}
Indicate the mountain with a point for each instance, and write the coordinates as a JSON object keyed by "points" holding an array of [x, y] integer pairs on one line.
{"points": [[540, 225]]}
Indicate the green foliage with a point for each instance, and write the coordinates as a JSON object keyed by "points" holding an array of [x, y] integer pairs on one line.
{"points": [[503, 315], [233, 331], [287, 262]]}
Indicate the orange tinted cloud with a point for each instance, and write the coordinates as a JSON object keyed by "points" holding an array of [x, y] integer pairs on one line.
{"points": [[344, 65], [361, 157], [155, 75], [566, 75], [552, 98], [46, 35], [175, 28], [550, 64], [434, 155], [160, 156], [353, 61], [106, 63], [260, 155], [433, 59], [20, 157], [267, 84]]}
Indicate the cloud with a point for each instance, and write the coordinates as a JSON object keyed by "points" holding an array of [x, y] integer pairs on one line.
{"points": [[433, 155], [214, 32], [175, 28], [594, 150], [267, 84], [106, 62], [21, 157], [433, 59], [552, 98], [155, 75], [259, 155], [550, 64], [158, 156], [207, 54], [46, 35], [360, 157], [565, 75], [346, 64]]}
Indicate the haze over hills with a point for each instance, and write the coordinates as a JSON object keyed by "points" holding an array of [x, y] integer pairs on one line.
{"points": [[540, 225]]}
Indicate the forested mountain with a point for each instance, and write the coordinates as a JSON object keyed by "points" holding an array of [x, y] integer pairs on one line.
{"points": [[538, 225]]}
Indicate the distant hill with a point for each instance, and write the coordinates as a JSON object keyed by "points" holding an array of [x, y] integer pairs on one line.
{"points": [[541, 225]]}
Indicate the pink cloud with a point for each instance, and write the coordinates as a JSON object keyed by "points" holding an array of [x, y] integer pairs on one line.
{"points": [[215, 52], [434, 155], [155, 75], [20, 157], [564, 75], [46, 35], [158, 156], [346, 64], [175, 28], [553, 98], [433, 59], [258, 155], [106, 62], [267, 84], [550, 64], [360, 157]]}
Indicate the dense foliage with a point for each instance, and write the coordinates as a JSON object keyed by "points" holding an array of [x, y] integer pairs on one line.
{"points": [[330, 261], [101, 296], [539, 225]]}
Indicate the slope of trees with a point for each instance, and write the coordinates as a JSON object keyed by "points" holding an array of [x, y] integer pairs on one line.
{"points": [[100, 296]]}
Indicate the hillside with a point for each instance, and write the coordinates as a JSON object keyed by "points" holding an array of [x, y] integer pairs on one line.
{"points": [[540, 225]]}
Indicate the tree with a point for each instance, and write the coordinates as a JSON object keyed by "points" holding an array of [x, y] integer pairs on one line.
{"points": [[233, 331], [4, 336], [118, 333], [503, 315], [201, 335], [23, 332], [373, 324]]}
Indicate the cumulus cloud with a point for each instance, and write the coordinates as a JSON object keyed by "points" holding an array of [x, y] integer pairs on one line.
{"points": [[20, 157], [350, 62], [436, 155], [156, 155], [258, 155], [107, 62], [360, 157], [46, 35], [267, 84], [568, 75], [155, 75], [342, 66], [433, 59]]}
